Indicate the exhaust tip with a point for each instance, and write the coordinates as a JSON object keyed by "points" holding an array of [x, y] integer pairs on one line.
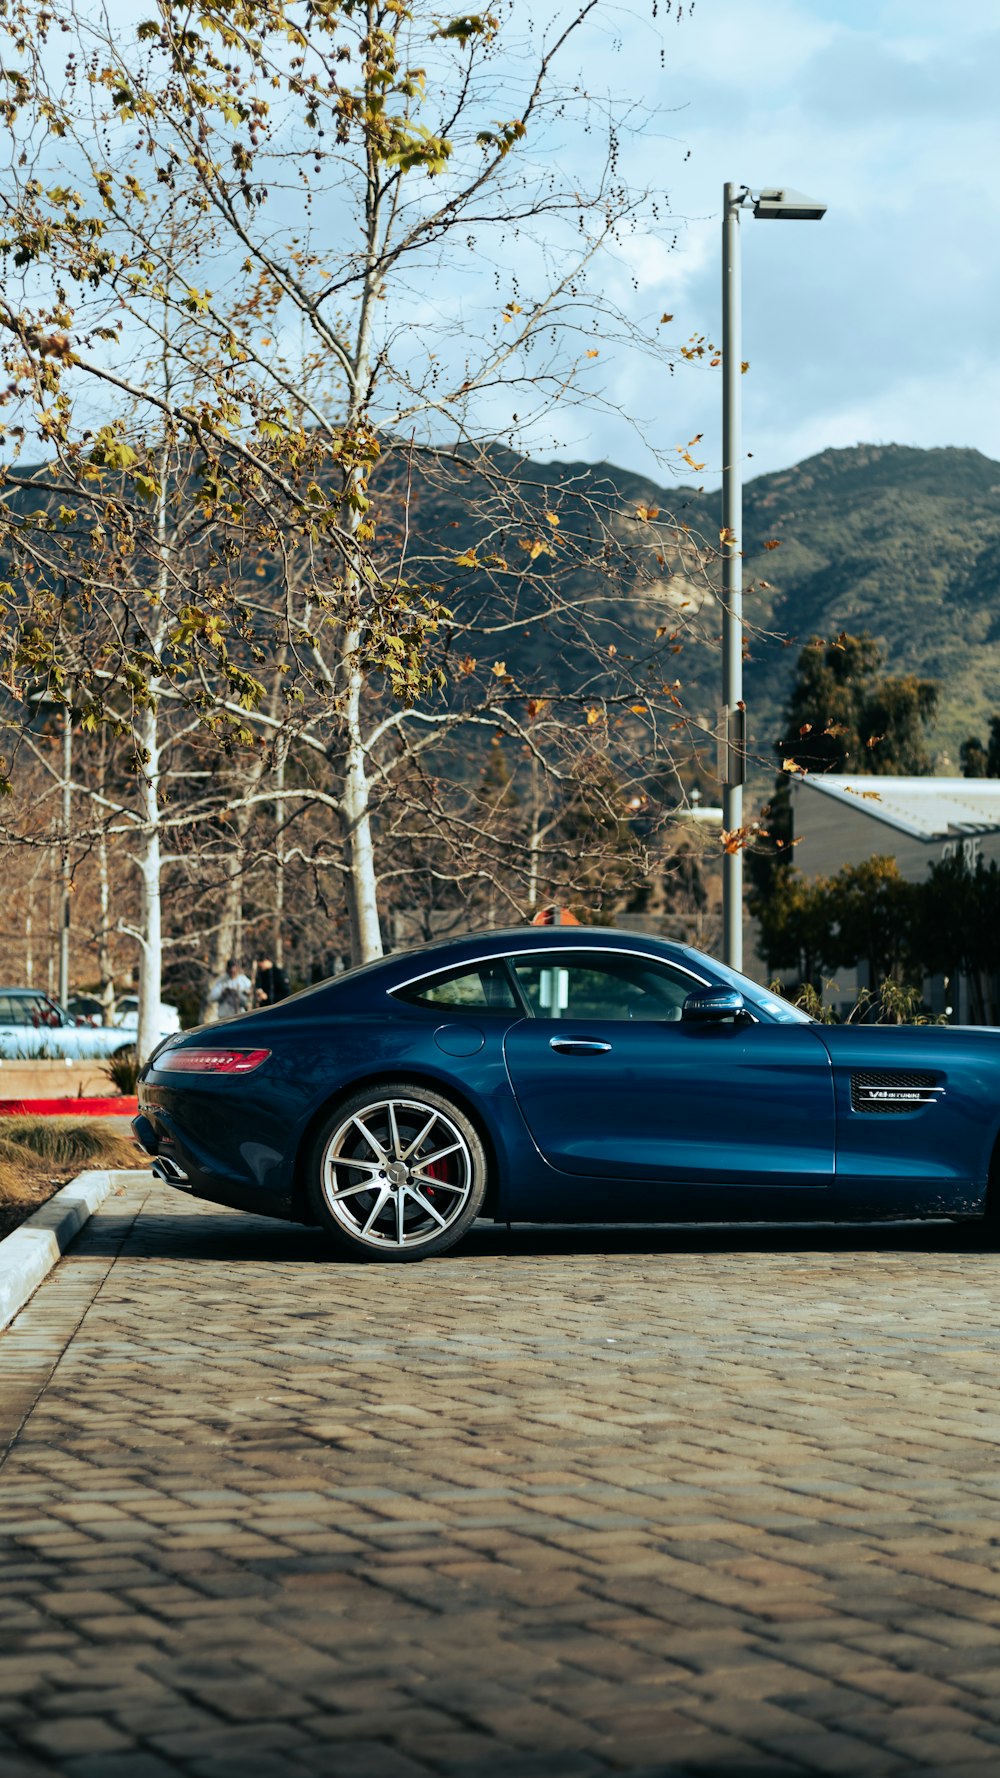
{"points": [[166, 1169]]}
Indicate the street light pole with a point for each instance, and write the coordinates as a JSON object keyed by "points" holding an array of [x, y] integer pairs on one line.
{"points": [[778, 204], [67, 862], [732, 751]]}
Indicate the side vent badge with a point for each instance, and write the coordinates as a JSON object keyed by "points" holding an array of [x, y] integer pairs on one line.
{"points": [[891, 1091]]}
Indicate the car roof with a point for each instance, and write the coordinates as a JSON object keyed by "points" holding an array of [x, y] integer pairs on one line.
{"points": [[505, 940], [358, 985]]}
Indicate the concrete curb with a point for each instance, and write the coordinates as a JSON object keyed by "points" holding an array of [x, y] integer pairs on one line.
{"points": [[28, 1255]]}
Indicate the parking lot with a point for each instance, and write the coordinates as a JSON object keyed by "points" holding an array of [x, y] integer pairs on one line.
{"points": [[562, 1503]]}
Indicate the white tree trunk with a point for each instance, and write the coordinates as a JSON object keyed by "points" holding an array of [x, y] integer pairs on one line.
{"points": [[362, 896], [104, 960], [151, 948], [151, 915], [150, 862], [229, 933], [366, 930], [278, 908]]}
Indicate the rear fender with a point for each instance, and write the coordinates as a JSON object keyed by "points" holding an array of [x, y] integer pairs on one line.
{"points": [[494, 1115]]}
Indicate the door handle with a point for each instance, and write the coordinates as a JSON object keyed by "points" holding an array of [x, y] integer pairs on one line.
{"points": [[578, 1046]]}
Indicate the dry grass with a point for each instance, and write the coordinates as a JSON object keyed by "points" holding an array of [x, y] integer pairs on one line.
{"points": [[39, 1154]]}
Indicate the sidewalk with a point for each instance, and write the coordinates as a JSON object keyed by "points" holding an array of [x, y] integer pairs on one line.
{"points": [[696, 1504]]}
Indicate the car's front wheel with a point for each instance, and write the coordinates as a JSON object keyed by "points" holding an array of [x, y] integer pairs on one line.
{"points": [[397, 1172]]}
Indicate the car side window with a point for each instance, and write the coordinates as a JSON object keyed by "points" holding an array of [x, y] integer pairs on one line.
{"points": [[37, 1010], [602, 985], [25, 1009], [485, 987]]}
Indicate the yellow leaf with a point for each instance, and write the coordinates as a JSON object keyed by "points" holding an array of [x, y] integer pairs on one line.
{"points": [[790, 765], [535, 546], [664, 319], [638, 709], [645, 513], [593, 716], [593, 353], [468, 559], [553, 519], [500, 669]]}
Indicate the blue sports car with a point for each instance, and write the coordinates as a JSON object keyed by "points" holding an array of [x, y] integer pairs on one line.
{"points": [[567, 1074]]}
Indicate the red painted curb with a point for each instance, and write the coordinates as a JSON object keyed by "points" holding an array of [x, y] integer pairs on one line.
{"points": [[119, 1107]]}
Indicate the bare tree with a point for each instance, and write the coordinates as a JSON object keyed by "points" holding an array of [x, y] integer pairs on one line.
{"points": [[281, 208]]}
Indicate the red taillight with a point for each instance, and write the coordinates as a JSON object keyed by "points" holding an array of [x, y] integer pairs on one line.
{"points": [[181, 1061]]}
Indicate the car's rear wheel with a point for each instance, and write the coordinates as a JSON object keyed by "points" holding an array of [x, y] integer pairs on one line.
{"points": [[397, 1172]]}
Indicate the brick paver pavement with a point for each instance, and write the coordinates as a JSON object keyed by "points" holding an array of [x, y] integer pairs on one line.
{"points": [[562, 1504]]}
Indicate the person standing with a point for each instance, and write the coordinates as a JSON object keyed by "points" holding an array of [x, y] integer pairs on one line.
{"points": [[231, 994], [270, 985]]}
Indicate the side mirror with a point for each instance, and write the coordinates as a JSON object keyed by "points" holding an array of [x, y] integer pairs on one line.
{"points": [[709, 1006]]}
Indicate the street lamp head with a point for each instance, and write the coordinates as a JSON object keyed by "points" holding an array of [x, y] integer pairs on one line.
{"points": [[785, 205]]}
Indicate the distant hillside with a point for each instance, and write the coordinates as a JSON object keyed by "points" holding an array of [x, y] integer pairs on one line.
{"points": [[903, 543], [900, 542]]}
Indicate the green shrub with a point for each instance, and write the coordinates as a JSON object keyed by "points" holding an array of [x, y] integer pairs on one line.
{"points": [[123, 1071]]}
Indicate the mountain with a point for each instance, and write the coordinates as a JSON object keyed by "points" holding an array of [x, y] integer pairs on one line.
{"points": [[900, 542]]}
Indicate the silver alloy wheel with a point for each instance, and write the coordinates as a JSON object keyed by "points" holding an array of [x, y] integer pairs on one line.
{"points": [[397, 1174]]}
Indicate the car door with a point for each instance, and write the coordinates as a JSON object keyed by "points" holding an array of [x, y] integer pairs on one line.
{"points": [[43, 1028], [29, 1033], [10, 1029], [613, 1083]]}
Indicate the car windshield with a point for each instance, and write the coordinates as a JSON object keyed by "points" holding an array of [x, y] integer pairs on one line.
{"points": [[782, 1011]]}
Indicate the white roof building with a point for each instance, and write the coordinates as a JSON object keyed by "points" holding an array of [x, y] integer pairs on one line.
{"points": [[840, 820]]}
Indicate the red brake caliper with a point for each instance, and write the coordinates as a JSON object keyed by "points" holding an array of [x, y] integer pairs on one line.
{"points": [[436, 1170]]}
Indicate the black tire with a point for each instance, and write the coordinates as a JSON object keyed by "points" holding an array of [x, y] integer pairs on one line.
{"points": [[368, 1182]]}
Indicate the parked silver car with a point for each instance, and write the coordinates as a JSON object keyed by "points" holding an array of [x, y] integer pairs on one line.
{"points": [[126, 1016], [31, 1024]]}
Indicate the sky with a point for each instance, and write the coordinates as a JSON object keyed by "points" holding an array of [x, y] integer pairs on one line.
{"points": [[879, 324], [882, 322]]}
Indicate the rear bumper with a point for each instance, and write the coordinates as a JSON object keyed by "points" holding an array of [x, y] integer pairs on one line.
{"points": [[180, 1159]]}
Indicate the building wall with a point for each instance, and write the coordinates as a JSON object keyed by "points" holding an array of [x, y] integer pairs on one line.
{"points": [[831, 833]]}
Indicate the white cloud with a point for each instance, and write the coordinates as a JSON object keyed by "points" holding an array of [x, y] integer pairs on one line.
{"points": [[881, 322]]}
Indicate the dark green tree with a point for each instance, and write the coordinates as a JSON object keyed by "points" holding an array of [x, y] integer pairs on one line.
{"points": [[982, 759], [957, 928], [797, 927], [864, 914], [843, 712], [872, 907]]}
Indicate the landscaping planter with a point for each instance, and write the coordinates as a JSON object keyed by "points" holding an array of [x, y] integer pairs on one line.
{"points": [[63, 1078]]}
